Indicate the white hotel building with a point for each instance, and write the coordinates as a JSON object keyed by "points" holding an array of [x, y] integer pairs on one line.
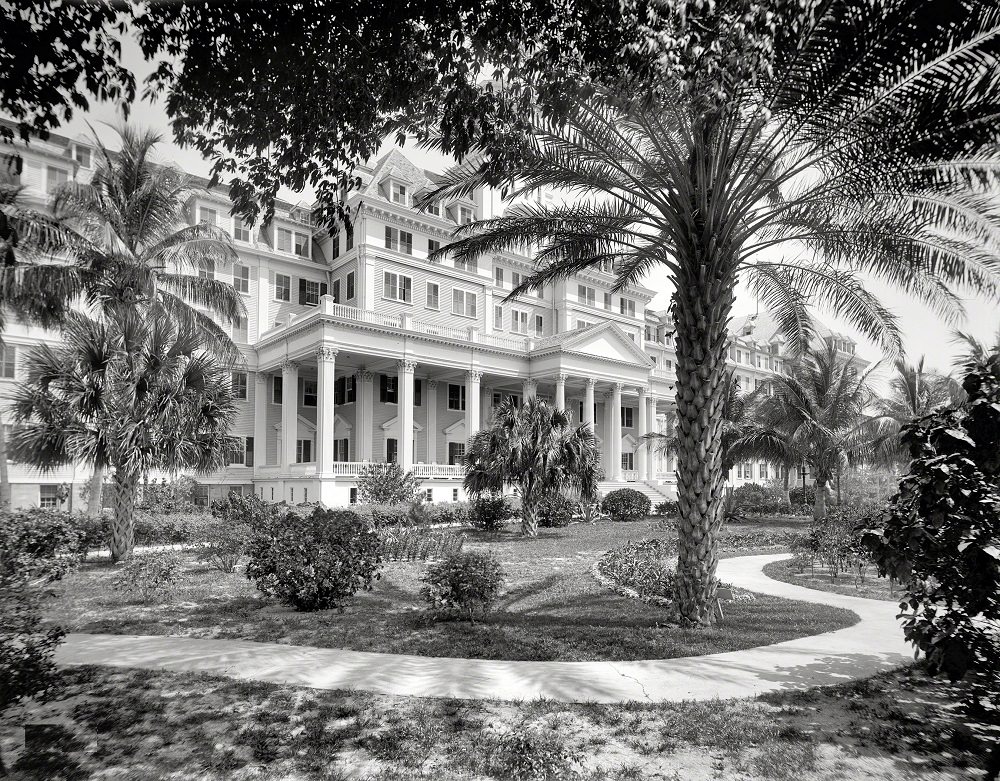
{"points": [[359, 349]]}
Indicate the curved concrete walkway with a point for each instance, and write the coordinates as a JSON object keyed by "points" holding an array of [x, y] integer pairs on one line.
{"points": [[873, 645]]}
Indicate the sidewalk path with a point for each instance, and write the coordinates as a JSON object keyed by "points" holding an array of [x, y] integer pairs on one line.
{"points": [[872, 645]]}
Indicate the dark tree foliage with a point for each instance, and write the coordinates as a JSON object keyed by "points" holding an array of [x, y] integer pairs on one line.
{"points": [[54, 57], [942, 533]]}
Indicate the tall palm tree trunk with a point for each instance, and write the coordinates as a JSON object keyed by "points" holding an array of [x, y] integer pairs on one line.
{"points": [[819, 504], [702, 305], [4, 474], [95, 496], [529, 513], [122, 533], [786, 495]]}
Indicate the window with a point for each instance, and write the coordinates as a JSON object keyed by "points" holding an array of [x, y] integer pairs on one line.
{"points": [[240, 333], [207, 270], [310, 291], [276, 390], [239, 385], [241, 231], [581, 324], [469, 264], [48, 496], [400, 241], [302, 244], [309, 392], [208, 216], [456, 452], [282, 287], [396, 287], [418, 388], [344, 391], [399, 194], [341, 450], [518, 322], [349, 240], [433, 208], [55, 178], [353, 496], [8, 361], [391, 450], [456, 397], [586, 295], [628, 461], [433, 246], [465, 215], [498, 276], [388, 392], [82, 156], [335, 246], [336, 291], [433, 295], [303, 451], [498, 317], [350, 285], [627, 417], [763, 470], [284, 240], [539, 325], [607, 301], [454, 494], [241, 278], [626, 306], [242, 452], [463, 302], [515, 279], [248, 451]]}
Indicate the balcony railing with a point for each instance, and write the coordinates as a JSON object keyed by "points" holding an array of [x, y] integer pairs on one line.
{"points": [[353, 469], [630, 476]]}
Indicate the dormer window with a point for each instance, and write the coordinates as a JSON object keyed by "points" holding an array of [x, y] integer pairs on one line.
{"points": [[82, 156], [465, 215], [208, 216], [433, 208], [399, 194]]}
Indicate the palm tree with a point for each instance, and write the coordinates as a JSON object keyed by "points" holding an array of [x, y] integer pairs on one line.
{"points": [[820, 407], [976, 350], [856, 142], [535, 448], [130, 229], [132, 392], [914, 392]]}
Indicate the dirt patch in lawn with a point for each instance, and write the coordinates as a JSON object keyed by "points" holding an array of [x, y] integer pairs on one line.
{"points": [[820, 578]]}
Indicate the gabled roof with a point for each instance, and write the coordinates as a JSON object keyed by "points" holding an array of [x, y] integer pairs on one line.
{"points": [[596, 340], [395, 165]]}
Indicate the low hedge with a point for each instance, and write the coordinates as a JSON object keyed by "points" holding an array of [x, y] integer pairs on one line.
{"points": [[626, 504]]}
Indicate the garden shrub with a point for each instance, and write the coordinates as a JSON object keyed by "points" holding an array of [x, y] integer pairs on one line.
{"points": [[802, 496], [176, 496], [531, 754], [180, 528], [225, 539], [642, 566], [667, 508], [626, 504], [556, 511], [411, 543], [449, 512], [149, 576], [760, 500], [462, 585], [836, 542], [490, 513], [386, 484], [939, 534], [315, 561], [590, 512]]}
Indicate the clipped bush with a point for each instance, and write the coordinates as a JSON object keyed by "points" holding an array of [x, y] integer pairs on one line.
{"points": [[412, 543], [556, 511], [386, 484], [666, 509], [642, 566], [457, 513], [462, 585], [149, 576], [490, 513], [626, 504], [315, 561], [531, 754], [180, 528], [756, 499]]}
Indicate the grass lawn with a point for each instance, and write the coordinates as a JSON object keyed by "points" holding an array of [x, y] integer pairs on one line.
{"points": [[872, 587], [552, 609], [121, 724]]}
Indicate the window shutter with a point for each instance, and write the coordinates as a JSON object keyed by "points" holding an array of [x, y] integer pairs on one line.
{"points": [[416, 393], [383, 387], [322, 288], [302, 291]]}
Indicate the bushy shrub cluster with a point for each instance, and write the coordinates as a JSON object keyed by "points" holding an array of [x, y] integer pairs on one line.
{"points": [[175, 496], [643, 566], [556, 511], [180, 528], [149, 576], [666, 509], [314, 561], [836, 542], [802, 496], [226, 538], [531, 754], [490, 512], [462, 585], [386, 484], [411, 543], [415, 513], [626, 504], [756, 499]]}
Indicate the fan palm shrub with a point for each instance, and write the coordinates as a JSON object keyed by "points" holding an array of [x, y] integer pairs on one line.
{"points": [[535, 448], [821, 406], [133, 392], [802, 153]]}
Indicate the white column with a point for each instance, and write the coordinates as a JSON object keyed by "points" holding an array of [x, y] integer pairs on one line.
{"points": [[259, 420], [642, 452], [560, 391], [405, 407], [289, 413], [472, 378], [588, 402], [607, 456], [263, 301], [326, 357], [651, 422], [528, 388], [364, 409], [616, 431], [430, 400]]}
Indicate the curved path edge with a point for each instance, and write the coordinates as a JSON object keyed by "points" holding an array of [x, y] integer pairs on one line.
{"points": [[874, 644]]}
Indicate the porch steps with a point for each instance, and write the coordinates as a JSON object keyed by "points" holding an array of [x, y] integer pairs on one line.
{"points": [[656, 493]]}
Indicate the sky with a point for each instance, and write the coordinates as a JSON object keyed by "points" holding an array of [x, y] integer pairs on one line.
{"points": [[924, 332]]}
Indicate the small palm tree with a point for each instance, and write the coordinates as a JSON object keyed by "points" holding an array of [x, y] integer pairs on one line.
{"points": [[537, 449], [975, 351], [915, 391], [820, 407], [132, 392]]}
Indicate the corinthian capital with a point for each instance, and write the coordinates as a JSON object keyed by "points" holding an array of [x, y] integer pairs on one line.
{"points": [[326, 353], [406, 366]]}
